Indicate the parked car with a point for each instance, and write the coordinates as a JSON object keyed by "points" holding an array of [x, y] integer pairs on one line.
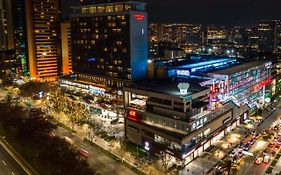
{"points": [[259, 160], [266, 159]]}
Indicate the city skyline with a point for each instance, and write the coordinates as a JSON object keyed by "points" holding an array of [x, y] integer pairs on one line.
{"points": [[217, 12]]}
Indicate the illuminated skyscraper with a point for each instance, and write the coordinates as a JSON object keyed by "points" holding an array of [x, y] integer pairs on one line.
{"points": [[42, 38], [109, 42]]}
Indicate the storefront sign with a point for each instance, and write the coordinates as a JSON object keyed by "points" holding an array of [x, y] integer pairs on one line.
{"points": [[132, 115], [139, 17], [187, 154]]}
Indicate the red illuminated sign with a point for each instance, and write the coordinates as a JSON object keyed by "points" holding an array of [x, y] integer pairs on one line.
{"points": [[139, 17], [132, 115], [261, 84]]}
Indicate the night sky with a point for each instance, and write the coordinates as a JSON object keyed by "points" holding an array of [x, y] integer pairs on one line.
{"points": [[218, 12]]}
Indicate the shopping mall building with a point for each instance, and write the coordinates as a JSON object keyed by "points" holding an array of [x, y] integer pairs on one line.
{"points": [[200, 104]]}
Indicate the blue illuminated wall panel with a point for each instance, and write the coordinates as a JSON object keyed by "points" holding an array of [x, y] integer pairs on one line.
{"points": [[139, 45]]}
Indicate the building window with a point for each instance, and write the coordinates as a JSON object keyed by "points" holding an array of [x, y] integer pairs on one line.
{"points": [[118, 8], [109, 8], [93, 9], [128, 7], [101, 9]]}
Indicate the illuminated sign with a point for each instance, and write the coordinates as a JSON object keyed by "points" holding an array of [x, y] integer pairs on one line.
{"points": [[132, 115], [139, 17], [146, 146], [183, 72], [183, 87], [187, 154]]}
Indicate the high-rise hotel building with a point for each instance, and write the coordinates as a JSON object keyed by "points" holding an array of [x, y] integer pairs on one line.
{"points": [[109, 42], [42, 26]]}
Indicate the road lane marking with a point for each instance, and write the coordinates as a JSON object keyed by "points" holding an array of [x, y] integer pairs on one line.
{"points": [[14, 157], [4, 162]]}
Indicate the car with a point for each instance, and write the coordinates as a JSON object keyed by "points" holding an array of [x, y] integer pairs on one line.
{"points": [[68, 140], [83, 152], [51, 134], [271, 144], [252, 141], [266, 159], [247, 146], [259, 160]]}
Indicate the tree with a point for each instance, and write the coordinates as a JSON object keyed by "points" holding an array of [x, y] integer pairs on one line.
{"points": [[231, 168]]}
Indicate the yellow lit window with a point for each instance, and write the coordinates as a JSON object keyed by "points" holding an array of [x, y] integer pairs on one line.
{"points": [[93, 9], [109, 8], [128, 7], [118, 8], [101, 9]]}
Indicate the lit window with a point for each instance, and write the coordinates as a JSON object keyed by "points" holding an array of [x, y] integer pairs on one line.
{"points": [[93, 9], [101, 9], [109, 8], [128, 7], [118, 8]]}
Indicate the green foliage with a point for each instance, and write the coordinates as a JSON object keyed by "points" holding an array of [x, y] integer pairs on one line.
{"points": [[269, 170], [28, 131], [60, 104], [31, 88]]}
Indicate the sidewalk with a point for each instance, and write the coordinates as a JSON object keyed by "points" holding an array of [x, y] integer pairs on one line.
{"points": [[118, 155]]}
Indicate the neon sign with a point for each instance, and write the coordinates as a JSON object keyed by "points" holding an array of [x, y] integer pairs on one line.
{"points": [[132, 115], [139, 17], [183, 72]]}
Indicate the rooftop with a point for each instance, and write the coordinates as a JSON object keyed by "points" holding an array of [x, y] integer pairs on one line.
{"points": [[168, 88], [239, 68]]}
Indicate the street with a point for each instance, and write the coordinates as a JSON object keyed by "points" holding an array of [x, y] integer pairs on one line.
{"points": [[102, 163], [8, 164], [250, 167]]}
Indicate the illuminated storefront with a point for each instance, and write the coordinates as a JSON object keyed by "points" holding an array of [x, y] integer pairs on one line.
{"points": [[246, 86]]}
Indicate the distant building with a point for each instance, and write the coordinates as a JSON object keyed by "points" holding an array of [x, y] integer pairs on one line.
{"points": [[216, 36], [8, 63], [252, 38], [267, 33], [188, 37], [109, 42], [6, 26]]}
